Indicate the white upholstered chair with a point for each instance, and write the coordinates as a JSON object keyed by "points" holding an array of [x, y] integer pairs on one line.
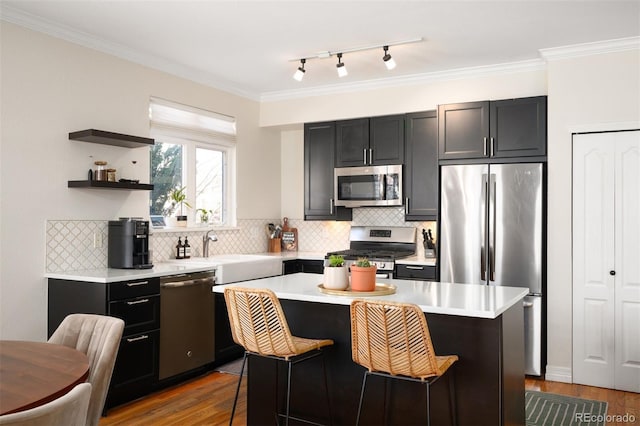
{"points": [[98, 337], [68, 410]]}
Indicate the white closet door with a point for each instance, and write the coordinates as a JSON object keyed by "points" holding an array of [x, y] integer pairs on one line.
{"points": [[606, 260], [627, 263], [593, 258]]}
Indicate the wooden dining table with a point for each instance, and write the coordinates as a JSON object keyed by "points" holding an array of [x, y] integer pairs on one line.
{"points": [[34, 373]]}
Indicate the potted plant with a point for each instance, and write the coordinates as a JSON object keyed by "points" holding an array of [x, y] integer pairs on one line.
{"points": [[363, 275], [204, 215], [179, 197], [336, 276]]}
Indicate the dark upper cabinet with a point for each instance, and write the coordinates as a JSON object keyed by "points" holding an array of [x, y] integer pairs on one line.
{"points": [[386, 140], [518, 127], [319, 159], [366, 142], [352, 142], [508, 128], [421, 166], [463, 130]]}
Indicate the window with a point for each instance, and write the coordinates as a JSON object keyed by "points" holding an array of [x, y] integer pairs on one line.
{"points": [[195, 150]]}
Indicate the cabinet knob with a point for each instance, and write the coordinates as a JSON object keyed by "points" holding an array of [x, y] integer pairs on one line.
{"points": [[612, 272]]}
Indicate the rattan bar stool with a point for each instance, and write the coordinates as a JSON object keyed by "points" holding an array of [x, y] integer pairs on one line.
{"points": [[392, 340], [258, 325]]}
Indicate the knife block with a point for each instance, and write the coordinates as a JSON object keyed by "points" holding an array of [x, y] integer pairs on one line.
{"points": [[274, 245]]}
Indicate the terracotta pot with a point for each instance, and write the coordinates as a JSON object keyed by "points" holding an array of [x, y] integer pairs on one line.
{"points": [[336, 277], [363, 278]]}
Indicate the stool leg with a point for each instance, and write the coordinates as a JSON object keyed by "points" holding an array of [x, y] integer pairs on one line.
{"points": [[289, 364], [326, 390], [428, 406], [452, 397], [364, 385], [235, 400]]}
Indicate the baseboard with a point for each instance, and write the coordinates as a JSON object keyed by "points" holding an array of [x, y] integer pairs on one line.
{"points": [[558, 374]]}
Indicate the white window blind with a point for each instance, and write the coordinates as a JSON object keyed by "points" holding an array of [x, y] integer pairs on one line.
{"points": [[202, 125]]}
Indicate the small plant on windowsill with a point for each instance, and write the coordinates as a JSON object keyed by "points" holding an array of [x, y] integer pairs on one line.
{"points": [[204, 215], [363, 275], [336, 276], [179, 197]]}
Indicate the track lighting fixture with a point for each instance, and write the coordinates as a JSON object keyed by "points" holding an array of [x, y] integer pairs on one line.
{"points": [[340, 67], [388, 60], [342, 70], [300, 71]]}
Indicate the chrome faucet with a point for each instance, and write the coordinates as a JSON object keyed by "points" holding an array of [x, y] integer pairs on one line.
{"points": [[205, 242]]}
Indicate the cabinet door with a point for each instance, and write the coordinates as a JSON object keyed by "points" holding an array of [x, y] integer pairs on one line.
{"points": [[463, 130], [518, 127], [386, 144], [319, 157], [421, 166], [352, 142], [136, 368]]}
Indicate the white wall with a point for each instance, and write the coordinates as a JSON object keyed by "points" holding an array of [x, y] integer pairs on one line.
{"points": [[530, 81], [585, 93], [51, 87]]}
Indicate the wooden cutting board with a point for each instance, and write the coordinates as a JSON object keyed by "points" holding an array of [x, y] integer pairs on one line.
{"points": [[289, 236]]}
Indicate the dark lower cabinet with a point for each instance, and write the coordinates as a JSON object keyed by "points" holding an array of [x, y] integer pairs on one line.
{"points": [[137, 302], [415, 272], [302, 265], [421, 166]]}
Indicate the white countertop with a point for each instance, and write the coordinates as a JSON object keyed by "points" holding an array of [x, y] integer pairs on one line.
{"points": [[109, 275], [468, 300]]}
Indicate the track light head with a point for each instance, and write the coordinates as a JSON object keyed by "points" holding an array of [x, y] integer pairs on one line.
{"points": [[388, 60], [342, 70], [299, 74]]}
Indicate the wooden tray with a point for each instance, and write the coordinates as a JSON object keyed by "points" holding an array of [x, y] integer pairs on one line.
{"points": [[381, 290]]}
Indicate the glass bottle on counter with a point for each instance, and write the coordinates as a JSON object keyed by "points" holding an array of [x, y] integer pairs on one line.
{"points": [[179, 249], [186, 248]]}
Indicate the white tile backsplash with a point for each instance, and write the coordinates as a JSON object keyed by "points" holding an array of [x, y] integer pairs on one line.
{"points": [[70, 243]]}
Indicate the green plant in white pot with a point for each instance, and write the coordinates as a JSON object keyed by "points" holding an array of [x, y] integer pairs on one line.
{"points": [[179, 197], [336, 275]]}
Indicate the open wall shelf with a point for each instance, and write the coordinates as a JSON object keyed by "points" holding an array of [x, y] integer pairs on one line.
{"points": [[115, 139], [110, 138], [108, 185]]}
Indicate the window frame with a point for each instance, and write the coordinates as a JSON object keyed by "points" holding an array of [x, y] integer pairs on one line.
{"points": [[190, 140]]}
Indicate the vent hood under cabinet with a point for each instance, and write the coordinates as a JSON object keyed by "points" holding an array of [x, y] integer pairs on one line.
{"points": [[115, 139]]}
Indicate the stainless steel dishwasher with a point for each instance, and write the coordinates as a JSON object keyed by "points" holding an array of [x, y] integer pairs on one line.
{"points": [[187, 312]]}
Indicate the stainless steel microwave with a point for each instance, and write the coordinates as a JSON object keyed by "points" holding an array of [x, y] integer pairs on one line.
{"points": [[368, 186]]}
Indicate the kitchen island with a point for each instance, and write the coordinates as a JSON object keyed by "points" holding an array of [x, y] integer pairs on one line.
{"points": [[483, 325]]}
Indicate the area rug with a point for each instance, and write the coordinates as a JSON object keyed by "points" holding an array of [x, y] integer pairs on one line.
{"points": [[232, 367], [548, 409]]}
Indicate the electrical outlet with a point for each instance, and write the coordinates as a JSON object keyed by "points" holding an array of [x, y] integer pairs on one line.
{"points": [[97, 239]]}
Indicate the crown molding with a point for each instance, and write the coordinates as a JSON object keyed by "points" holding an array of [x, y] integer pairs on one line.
{"points": [[588, 49], [407, 80], [15, 16], [35, 23]]}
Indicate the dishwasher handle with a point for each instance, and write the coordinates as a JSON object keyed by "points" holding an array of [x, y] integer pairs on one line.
{"points": [[210, 280]]}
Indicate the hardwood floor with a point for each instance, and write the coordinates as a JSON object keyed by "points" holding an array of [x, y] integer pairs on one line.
{"points": [[207, 400]]}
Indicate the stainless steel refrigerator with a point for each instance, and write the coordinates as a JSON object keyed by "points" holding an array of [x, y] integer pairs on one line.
{"points": [[491, 232]]}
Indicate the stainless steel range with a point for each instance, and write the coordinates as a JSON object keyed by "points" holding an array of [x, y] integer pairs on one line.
{"points": [[381, 245]]}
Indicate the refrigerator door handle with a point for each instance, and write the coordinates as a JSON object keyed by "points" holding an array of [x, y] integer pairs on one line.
{"points": [[492, 227], [483, 206]]}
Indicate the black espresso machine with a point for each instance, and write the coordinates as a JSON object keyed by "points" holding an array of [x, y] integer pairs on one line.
{"points": [[129, 244]]}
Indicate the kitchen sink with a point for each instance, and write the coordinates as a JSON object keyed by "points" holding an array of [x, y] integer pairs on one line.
{"points": [[231, 268]]}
